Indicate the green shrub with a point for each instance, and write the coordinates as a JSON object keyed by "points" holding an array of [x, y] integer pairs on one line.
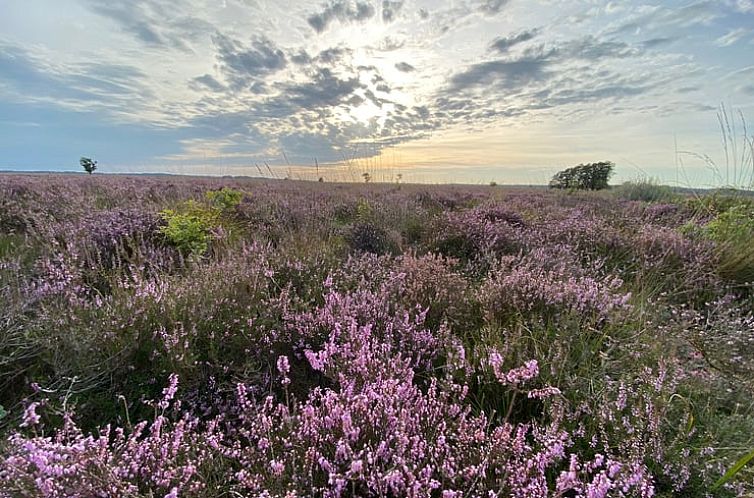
{"points": [[224, 199], [720, 201], [188, 231], [733, 230], [736, 224], [645, 189], [364, 210], [189, 226]]}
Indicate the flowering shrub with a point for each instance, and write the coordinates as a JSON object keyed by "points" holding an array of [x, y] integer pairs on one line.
{"points": [[471, 233], [365, 340], [522, 286]]}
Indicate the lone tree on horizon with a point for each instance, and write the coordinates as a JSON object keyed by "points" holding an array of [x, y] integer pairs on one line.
{"points": [[88, 164], [592, 176]]}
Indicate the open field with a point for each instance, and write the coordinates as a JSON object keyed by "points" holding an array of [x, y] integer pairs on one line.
{"points": [[198, 337]]}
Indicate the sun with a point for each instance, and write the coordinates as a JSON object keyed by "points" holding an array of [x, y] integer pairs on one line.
{"points": [[367, 112]]}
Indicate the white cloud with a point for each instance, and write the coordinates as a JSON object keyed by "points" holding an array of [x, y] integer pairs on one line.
{"points": [[732, 37]]}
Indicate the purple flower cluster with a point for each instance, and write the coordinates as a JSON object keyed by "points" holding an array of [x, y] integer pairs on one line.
{"points": [[524, 286]]}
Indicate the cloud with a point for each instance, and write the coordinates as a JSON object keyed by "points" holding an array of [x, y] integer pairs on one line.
{"points": [[390, 9], [325, 89], [508, 74], [132, 21], [589, 48], [505, 43], [745, 6], [389, 44], [658, 42], [492, 6], [658, 20], [153, 23], [206, 82], [332, 56], [404, 67], [741, 79], [112, 88], [731, 37], [242, 65], [559, 77], [343, 11], [301, 57]]}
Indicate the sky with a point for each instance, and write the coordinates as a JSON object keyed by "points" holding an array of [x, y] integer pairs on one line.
{"points": [[466, 91]]}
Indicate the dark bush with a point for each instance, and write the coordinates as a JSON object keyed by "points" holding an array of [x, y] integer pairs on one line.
{"points": [[592, 176], [366, 237]]}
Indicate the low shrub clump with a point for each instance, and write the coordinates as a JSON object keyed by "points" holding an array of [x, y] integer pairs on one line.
{"points": [[732, 229], [192, 226], [645, 190]]}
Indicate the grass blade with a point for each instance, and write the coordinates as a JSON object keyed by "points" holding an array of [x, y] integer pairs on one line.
{"points": [[734, 470]]}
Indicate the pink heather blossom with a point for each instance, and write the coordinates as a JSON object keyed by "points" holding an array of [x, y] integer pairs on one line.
{"points": [[169, 392], [283, 368], [30, 417], [516, 376]]}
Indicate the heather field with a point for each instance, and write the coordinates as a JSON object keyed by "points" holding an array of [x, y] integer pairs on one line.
{"points": [[196, 337]]}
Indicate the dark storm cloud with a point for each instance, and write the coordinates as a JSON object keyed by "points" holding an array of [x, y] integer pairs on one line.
{"points": [[504, 43], [341, 10], [243, 64], [404, 67]]}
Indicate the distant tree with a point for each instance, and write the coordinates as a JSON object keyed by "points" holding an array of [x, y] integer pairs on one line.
{"points": [[592, 176], [367, 177], [493, 183], [88, 164]]}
